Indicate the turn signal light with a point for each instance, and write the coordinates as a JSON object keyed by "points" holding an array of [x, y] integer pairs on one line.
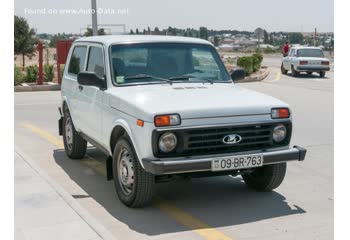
{"points": [[140, 123], [280, 113], [167, 120]]}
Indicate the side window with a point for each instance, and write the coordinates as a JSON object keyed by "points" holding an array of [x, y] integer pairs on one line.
{"points": [[77, 60], [95, 61], [291, 53]]}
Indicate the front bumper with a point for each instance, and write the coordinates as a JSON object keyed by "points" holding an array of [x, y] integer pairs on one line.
{"points": [[312, 68], [197, 164]]}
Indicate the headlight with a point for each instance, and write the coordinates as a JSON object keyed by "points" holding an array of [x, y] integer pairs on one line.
{"points": [[279, 133], [167, 142]]}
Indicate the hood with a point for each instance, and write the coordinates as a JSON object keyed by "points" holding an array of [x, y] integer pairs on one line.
{"points": [[191, 100]]}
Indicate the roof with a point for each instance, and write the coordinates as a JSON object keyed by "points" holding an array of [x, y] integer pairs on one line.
{"points": [[112, 39]]}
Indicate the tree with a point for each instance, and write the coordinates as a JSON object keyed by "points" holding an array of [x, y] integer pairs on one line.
{"points": [[88, 32], [156, 30], [203, 33], [259, 34], [266, 37], [101, 31], [216, 41], [24, 39], [137, 31], [295, 38], [132, 31], [56, 37]]}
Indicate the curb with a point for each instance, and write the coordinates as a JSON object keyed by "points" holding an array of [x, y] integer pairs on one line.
{"points": [[32, 88], [100, 230], [261, 75]]}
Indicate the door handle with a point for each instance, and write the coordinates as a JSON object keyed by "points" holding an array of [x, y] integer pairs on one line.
{"points": [[80, 88]]}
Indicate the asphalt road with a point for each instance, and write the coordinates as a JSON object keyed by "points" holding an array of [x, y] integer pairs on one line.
{"points": [[207, 208]]}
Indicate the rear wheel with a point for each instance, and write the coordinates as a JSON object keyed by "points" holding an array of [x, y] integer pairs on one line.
{"points": [[294, 73], [266, 178], [283, 70], [74, 144], [322, 74], [134, 186]]}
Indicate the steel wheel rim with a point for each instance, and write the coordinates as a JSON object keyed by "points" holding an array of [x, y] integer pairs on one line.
{"points": [[69, 133], [126, 171]]}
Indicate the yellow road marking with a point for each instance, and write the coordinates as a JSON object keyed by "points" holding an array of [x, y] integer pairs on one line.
{"points": [[176, 213], [189, 221], [97, 166], [47, 136], [278, 76]]}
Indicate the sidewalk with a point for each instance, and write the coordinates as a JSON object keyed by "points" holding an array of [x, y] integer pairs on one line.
{"points": [[41, 212]]}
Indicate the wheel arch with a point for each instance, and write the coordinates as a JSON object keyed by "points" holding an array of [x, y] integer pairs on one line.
{"points": [[121, 128]]}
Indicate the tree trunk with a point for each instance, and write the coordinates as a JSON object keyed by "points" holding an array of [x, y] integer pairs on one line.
{"points": [[23, 62]]}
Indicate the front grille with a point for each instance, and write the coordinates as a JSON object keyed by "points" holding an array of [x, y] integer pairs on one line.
{"points": [[205, 141]]}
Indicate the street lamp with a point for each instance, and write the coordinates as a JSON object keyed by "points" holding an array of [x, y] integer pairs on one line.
{"points": [[94, 17]]}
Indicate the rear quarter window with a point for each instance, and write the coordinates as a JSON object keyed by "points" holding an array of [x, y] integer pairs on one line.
{"points": [[77, 60]]}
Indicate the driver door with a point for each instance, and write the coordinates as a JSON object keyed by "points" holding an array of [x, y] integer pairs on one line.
{"points": [[91, 97]]}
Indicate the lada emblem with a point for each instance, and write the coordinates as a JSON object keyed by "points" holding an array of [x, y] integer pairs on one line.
{"points": [[232, 139]]}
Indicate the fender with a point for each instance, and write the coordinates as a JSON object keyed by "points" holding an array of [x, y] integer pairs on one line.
{"points": [[122, 123], [72, 114]]}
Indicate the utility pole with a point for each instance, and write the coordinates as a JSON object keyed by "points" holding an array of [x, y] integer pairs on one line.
{"points": [[94, 17], [315, 37]]}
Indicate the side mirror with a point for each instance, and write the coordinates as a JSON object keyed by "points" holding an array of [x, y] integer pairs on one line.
{"points": [[91, 79], [237, 74]]}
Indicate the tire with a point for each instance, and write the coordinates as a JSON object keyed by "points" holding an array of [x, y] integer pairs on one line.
{"points": [[322, 74], [294, 73], [74, 145], [134, 186], [283, 70], [266, 178]]}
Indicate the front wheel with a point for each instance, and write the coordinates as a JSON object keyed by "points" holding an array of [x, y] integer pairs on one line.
{"points": [[134, 186], [266, 178], [283, 70]]}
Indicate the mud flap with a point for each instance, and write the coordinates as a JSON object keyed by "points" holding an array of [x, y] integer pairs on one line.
{"points": [[109, 168]]}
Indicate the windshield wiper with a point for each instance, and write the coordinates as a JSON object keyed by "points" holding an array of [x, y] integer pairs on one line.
{"points": [[182, 77], [146, 76], [188, 76]]}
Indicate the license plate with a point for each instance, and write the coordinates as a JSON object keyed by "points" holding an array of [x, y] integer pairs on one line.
{"points": [[237, 162]]}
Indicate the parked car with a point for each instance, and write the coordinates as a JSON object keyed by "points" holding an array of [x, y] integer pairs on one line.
{"points": [[305, 59], [162, 107]]}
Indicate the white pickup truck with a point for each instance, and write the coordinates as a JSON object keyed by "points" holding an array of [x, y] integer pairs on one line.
{"points": [[305, 59], [163, 107]]}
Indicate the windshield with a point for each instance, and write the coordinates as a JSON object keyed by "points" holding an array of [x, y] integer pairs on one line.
{"points": [[310, 53], [166, 63]]}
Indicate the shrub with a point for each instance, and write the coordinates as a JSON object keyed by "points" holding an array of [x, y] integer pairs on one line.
{"points": [[32, 73], [257, 59], [269, 50], [48, 73], [246, 63], [259, 56], [18, 76]]}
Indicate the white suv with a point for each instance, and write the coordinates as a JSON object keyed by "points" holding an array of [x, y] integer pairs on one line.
{"points": [[163, 107], [305, 59]]}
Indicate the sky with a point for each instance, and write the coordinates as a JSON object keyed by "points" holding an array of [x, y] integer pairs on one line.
{"points": [[71, 16]]}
